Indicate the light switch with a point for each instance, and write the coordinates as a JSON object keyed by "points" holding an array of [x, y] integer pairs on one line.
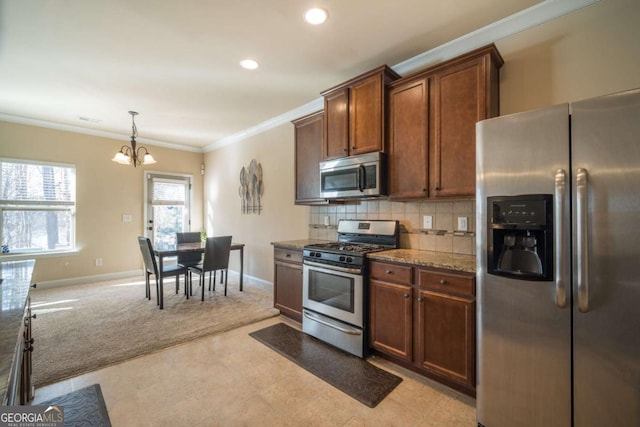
{"points": [[427, 222], [462, 223]]}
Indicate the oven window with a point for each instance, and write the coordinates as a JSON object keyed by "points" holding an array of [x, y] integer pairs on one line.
{"points": [[332, 290], [340, 180]]}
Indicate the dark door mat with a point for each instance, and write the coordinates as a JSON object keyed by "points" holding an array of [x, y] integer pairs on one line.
{"points": [[350, 374], [83, 408]]}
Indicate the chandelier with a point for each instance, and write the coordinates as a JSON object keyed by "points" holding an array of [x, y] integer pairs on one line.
{"points": [[131, 155]]}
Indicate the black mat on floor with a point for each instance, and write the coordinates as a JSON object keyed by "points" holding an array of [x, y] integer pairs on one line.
{"points": [[350, 374], [83, 408]]}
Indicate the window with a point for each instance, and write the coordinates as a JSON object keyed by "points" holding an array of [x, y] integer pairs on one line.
{"points": [[37, 206], [168, 207]]}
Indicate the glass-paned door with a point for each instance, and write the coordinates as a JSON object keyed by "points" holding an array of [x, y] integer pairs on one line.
{"points": [[168, 208]]}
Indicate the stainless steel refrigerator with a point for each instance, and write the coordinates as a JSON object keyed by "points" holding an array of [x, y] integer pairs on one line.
{"points": [[558, 265]]}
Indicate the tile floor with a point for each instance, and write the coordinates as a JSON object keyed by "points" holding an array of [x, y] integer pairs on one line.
{"points": [[231, 379]]}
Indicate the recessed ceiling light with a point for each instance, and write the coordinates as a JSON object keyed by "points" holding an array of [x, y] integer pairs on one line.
{"points": [[249, 64], [315, 16]]}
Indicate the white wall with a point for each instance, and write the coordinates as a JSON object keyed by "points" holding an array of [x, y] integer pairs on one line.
{"points": [[279, 219]]}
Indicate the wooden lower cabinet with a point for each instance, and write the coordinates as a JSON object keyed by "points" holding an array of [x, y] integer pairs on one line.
{"points": [[391, 314], [445, 336], [287, 282], [426, 324]]}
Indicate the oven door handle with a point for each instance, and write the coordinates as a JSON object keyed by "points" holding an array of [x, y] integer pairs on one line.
{"points": [[330, 324], [333, 267]]}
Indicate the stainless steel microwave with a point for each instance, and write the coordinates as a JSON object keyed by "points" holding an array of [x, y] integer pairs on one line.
{"points": [[354, 176]]}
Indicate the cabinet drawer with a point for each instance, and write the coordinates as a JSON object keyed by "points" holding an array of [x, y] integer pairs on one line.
{"points": [[447, 282], [287, 255], [392, 272]]}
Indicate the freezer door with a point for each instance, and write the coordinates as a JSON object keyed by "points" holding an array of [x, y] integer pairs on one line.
{"points": [[524, 326], [606, 227]]}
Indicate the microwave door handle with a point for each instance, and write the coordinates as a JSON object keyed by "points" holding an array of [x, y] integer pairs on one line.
{"points": [[361, 178]]}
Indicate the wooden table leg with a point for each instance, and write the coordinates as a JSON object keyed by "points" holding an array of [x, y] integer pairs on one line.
{"points": [[241, 266], [161, 283]]}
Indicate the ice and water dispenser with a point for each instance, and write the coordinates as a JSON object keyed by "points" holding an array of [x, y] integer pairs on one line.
{"points": [[520, 236]]}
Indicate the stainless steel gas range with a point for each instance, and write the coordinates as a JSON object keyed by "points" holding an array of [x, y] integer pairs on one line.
{"points": [[334, 293]]}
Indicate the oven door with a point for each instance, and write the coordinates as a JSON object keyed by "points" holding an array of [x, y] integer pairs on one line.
{"points": [[334, 291]]}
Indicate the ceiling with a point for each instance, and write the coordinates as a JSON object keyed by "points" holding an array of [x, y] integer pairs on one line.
{"points": [[84, 64]]}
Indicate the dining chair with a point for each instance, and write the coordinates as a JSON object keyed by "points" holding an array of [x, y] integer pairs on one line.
{"points": [[151, 267], [216, 257], [189, 259]]}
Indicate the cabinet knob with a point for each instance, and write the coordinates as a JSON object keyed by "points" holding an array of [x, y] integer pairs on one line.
{"points": [[420, 299], [389, 272], [424, 190], [406, 295], [34, 285], [443, 282], [29, 342], [33, 316], [436, 188], [287, 256], [345, 149]]}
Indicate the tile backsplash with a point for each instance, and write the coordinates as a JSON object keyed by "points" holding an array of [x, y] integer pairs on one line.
{"points": [[443, 237]]}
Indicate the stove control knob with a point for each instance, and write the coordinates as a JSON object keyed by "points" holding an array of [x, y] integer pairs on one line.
{"points": [[349, 259], [317, 255], [342, 258]]}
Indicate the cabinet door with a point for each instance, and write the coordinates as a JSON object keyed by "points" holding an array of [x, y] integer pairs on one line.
{"points": [[336, 134], [458, 99], [309, 133], [366, 121], [390, 314], [446, 336], [287, 288], [408, 140]]}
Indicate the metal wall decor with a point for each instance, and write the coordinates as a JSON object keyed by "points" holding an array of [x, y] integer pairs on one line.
{"points": [[251, 188]]}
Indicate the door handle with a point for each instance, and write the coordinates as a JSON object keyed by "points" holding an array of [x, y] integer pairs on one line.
{"points": [[559, 237], [582, 243]]}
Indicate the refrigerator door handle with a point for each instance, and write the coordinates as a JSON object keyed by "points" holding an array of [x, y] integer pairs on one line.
{"points": [[581, 241], [559, 237]]}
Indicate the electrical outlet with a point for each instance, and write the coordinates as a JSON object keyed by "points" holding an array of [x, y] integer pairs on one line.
{"points": [[98, 262], [427, 222], [126, 218], [462, 223]]}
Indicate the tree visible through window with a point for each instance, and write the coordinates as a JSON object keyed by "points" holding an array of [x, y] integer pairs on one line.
{"points": [[37, 206]]}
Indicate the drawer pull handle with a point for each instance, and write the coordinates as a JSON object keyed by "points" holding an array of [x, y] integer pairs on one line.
{"points": [[389, 271], [443, 282], [287, 256], [421, 299], [406, 295]]}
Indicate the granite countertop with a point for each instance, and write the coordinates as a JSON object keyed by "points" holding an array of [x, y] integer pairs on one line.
{"points": [[297, 244], [14, 291], [457, 262]]}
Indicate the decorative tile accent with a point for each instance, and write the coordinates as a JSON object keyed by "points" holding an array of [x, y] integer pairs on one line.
{"points": [[440, 239]]}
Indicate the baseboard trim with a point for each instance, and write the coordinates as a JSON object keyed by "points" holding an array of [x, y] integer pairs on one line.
{"points": [[89, 279], [254, 281]]}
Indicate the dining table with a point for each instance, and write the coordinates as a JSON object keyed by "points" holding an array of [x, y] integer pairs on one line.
{"points": [[185, 248]]}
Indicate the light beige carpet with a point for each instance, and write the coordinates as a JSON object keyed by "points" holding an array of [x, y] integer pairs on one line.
{"points": [[82, 328]]}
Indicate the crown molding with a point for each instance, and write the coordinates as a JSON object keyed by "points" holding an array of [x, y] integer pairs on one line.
{"points": [[308, 108], [94, 132], [532, 17]]}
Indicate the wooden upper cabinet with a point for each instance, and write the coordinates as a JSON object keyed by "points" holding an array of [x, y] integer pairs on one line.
{"points": [[336, 127], [408, 139], [309, 131], [355, 114], [461, 92]]}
